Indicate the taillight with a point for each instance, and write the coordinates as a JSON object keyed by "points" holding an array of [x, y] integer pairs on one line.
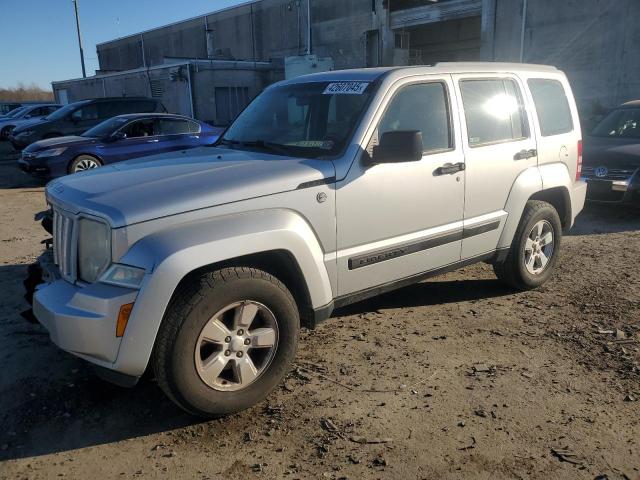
{"points": [[579, 163]]}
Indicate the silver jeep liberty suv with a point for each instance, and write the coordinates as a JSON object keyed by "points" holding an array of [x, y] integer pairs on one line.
{"points": [[327, 189]]}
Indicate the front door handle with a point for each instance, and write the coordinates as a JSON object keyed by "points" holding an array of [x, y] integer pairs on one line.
{"points": [[449, 168], [524, 154], [153, 140]]}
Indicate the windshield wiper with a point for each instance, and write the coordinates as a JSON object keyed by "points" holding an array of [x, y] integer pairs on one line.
{"points": [[268, 146]]}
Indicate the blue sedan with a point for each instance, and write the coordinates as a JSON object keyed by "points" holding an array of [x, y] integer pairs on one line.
{"points": [[120, 138]]}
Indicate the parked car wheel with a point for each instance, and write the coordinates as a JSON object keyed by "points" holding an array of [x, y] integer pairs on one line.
{"points": [[534, 251], [227, 340], [84, 162]]}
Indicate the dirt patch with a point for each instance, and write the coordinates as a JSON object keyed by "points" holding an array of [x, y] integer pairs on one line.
{"points": [[457, 377]]}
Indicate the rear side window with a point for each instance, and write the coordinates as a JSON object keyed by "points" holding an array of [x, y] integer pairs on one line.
{"points": [[422, 107], [493, 110], [552, 106], [171, 126]]}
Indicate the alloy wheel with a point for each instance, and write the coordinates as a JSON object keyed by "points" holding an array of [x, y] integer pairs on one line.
{"points": [[85, 163], [236, 346], [539, 247]]}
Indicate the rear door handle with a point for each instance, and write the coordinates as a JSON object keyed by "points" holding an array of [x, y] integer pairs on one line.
{"points": [[449, 168], [524, 154]]}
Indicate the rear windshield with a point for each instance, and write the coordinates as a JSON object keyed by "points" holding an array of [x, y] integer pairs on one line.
{"points": [[621, 123]]}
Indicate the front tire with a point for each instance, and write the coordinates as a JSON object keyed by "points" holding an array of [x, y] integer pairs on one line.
{"points": [[227, 340], [84, 162], [534, 249]]}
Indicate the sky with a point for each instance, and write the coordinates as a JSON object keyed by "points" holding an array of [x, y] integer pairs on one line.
{"points": [[38, 40]]}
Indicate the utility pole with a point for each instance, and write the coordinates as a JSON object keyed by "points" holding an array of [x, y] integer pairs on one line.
{"points": [[75, 7]]}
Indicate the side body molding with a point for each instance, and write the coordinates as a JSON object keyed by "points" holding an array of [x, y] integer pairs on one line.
{"points": [[173, 253]]}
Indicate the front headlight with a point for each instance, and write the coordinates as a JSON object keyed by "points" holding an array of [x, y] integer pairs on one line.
{"points": [[94, 249], [26, 133], [51, 152]]}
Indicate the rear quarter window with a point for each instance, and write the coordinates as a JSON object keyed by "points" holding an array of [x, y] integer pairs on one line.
{"points": [[552, 106]]}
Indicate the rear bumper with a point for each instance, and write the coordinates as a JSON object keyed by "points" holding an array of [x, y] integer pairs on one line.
{"points": [[578, 198], [613, 192]]}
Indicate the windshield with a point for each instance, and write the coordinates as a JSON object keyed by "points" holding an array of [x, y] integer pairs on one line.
{"points": [[16, 111], [106, 128], [621, 123], [64, 111], [307, 119]]}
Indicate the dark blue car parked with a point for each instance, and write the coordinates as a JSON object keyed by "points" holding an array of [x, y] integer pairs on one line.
{"points": [[120, 138]]}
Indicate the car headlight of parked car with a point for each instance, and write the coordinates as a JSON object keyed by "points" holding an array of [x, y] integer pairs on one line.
{"points": [[51, 152], [25, 133], [94, 249]]}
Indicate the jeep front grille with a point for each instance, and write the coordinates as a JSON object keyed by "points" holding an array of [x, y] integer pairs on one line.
{"points": [[64, 250]]}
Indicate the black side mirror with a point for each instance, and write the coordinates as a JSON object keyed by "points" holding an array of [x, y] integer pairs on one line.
{"points": [[398, 146], [119, 135]]}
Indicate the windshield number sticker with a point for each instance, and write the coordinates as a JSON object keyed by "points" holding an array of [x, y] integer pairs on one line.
{"points": [[346, 88]]}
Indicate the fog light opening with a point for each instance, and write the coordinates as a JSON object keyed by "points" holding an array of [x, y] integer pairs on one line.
{"points": [[123, 318]]}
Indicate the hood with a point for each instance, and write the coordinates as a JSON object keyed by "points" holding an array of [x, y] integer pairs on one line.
{"points": [[169, 184], [611, 152], [26, 122], [37, 122], [60, 142]]}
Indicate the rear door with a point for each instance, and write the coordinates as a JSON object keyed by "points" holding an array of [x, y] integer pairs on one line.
{"points": [[499, 145], [174, 134]]}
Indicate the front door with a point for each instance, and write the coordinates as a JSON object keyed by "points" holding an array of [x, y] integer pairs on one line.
{"points": [[498, 146], [141, 139], [397, 220]]}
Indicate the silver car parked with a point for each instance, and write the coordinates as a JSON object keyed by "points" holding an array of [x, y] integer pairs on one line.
{"points": [[327, 189]]}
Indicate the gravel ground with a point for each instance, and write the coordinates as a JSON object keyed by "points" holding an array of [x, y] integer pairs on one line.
{"points": [[456, 377]]}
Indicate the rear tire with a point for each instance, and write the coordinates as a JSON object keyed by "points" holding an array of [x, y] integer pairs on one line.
{"points": [[534, 249], [227, 340]]}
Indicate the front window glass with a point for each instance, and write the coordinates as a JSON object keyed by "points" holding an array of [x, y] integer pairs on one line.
{"points": [[106, 128], [141, 128], [621, 123], [422, 107], [306, 119]]}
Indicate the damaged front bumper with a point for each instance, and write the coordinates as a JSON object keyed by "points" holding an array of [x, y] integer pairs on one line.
{"points": [[80, 319]]}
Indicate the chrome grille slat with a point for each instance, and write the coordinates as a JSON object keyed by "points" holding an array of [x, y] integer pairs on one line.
{"points": [[64, 244]]}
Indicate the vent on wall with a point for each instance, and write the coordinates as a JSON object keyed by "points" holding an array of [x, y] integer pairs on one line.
{"points": [[157, 89]]}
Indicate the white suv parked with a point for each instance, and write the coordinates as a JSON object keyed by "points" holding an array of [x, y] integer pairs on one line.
{"points": [[327, 189]]}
